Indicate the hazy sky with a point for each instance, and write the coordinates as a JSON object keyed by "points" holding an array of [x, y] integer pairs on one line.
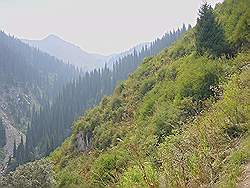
{"points": [[102, 26]]}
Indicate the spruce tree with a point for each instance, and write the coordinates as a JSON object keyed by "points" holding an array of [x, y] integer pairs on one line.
{"points": [[209, 34], [2, 134], [20, 153], [14, 149]]}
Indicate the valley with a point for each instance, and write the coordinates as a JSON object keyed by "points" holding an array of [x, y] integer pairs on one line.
{"points": [[174, 112]]}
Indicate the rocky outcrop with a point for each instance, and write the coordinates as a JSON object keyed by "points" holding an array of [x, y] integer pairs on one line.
{"points": [[15, 105], [83, 141], [12, 134]]}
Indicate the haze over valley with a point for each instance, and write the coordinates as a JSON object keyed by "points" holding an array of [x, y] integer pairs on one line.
{"points": [[124, 93]]}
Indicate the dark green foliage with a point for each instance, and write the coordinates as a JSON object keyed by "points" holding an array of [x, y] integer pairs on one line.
{"points": [[235, 131], [2, 134], [197, 80], [234, 17], [116, 103], [209, 34], [163, 129], [20, 153], [14, 149], [11, 165]]}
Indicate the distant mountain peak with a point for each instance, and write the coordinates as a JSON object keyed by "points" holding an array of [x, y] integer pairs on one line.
{"points": [[73, 54], [52, 37], [68, 52]]}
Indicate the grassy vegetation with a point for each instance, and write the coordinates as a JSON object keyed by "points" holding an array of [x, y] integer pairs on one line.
{"points": [[181, 120], [176, 134]]}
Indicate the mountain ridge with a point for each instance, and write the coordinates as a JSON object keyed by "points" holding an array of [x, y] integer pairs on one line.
{"points": [[180, 120], [68, 52], [28, 79], [75, 55]]}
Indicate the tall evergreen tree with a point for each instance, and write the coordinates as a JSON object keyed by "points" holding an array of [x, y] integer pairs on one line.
{"points": [[2, 134], [209, 34], [14, 149], [20, 153]]}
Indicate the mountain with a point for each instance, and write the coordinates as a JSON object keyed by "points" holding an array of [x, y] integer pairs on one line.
{"points": [[137, 48], [68, 52], [74, 55], [31, 94], [80, 95], [28, 79], [180, 120]]}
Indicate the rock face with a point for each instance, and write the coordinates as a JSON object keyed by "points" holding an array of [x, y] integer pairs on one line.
{"points": [[83, 141], [15, 104], [12, 134]]}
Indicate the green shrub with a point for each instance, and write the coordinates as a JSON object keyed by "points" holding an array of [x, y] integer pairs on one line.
{"points": [[139, 177], [107, 167]]}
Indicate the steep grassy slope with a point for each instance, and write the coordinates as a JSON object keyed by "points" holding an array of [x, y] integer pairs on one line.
{"points": [[176, 131], [181, 120]]}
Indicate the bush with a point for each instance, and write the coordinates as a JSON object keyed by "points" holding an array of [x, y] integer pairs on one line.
{"points": [[140, 178], [37, 174], [106, 168]]}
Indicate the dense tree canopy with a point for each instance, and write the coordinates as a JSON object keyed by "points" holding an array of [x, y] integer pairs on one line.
{"points": [[2, 134], [209, 34]]}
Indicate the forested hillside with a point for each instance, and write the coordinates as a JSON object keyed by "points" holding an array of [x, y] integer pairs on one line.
{"points": [[50, 126], [28, 80], [180, 120], [21, 64], [31, 75]]}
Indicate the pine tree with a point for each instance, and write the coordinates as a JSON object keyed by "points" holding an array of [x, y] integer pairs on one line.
{"points": [[2, 134], [14, 149], [209, 34], [20, 153]]}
